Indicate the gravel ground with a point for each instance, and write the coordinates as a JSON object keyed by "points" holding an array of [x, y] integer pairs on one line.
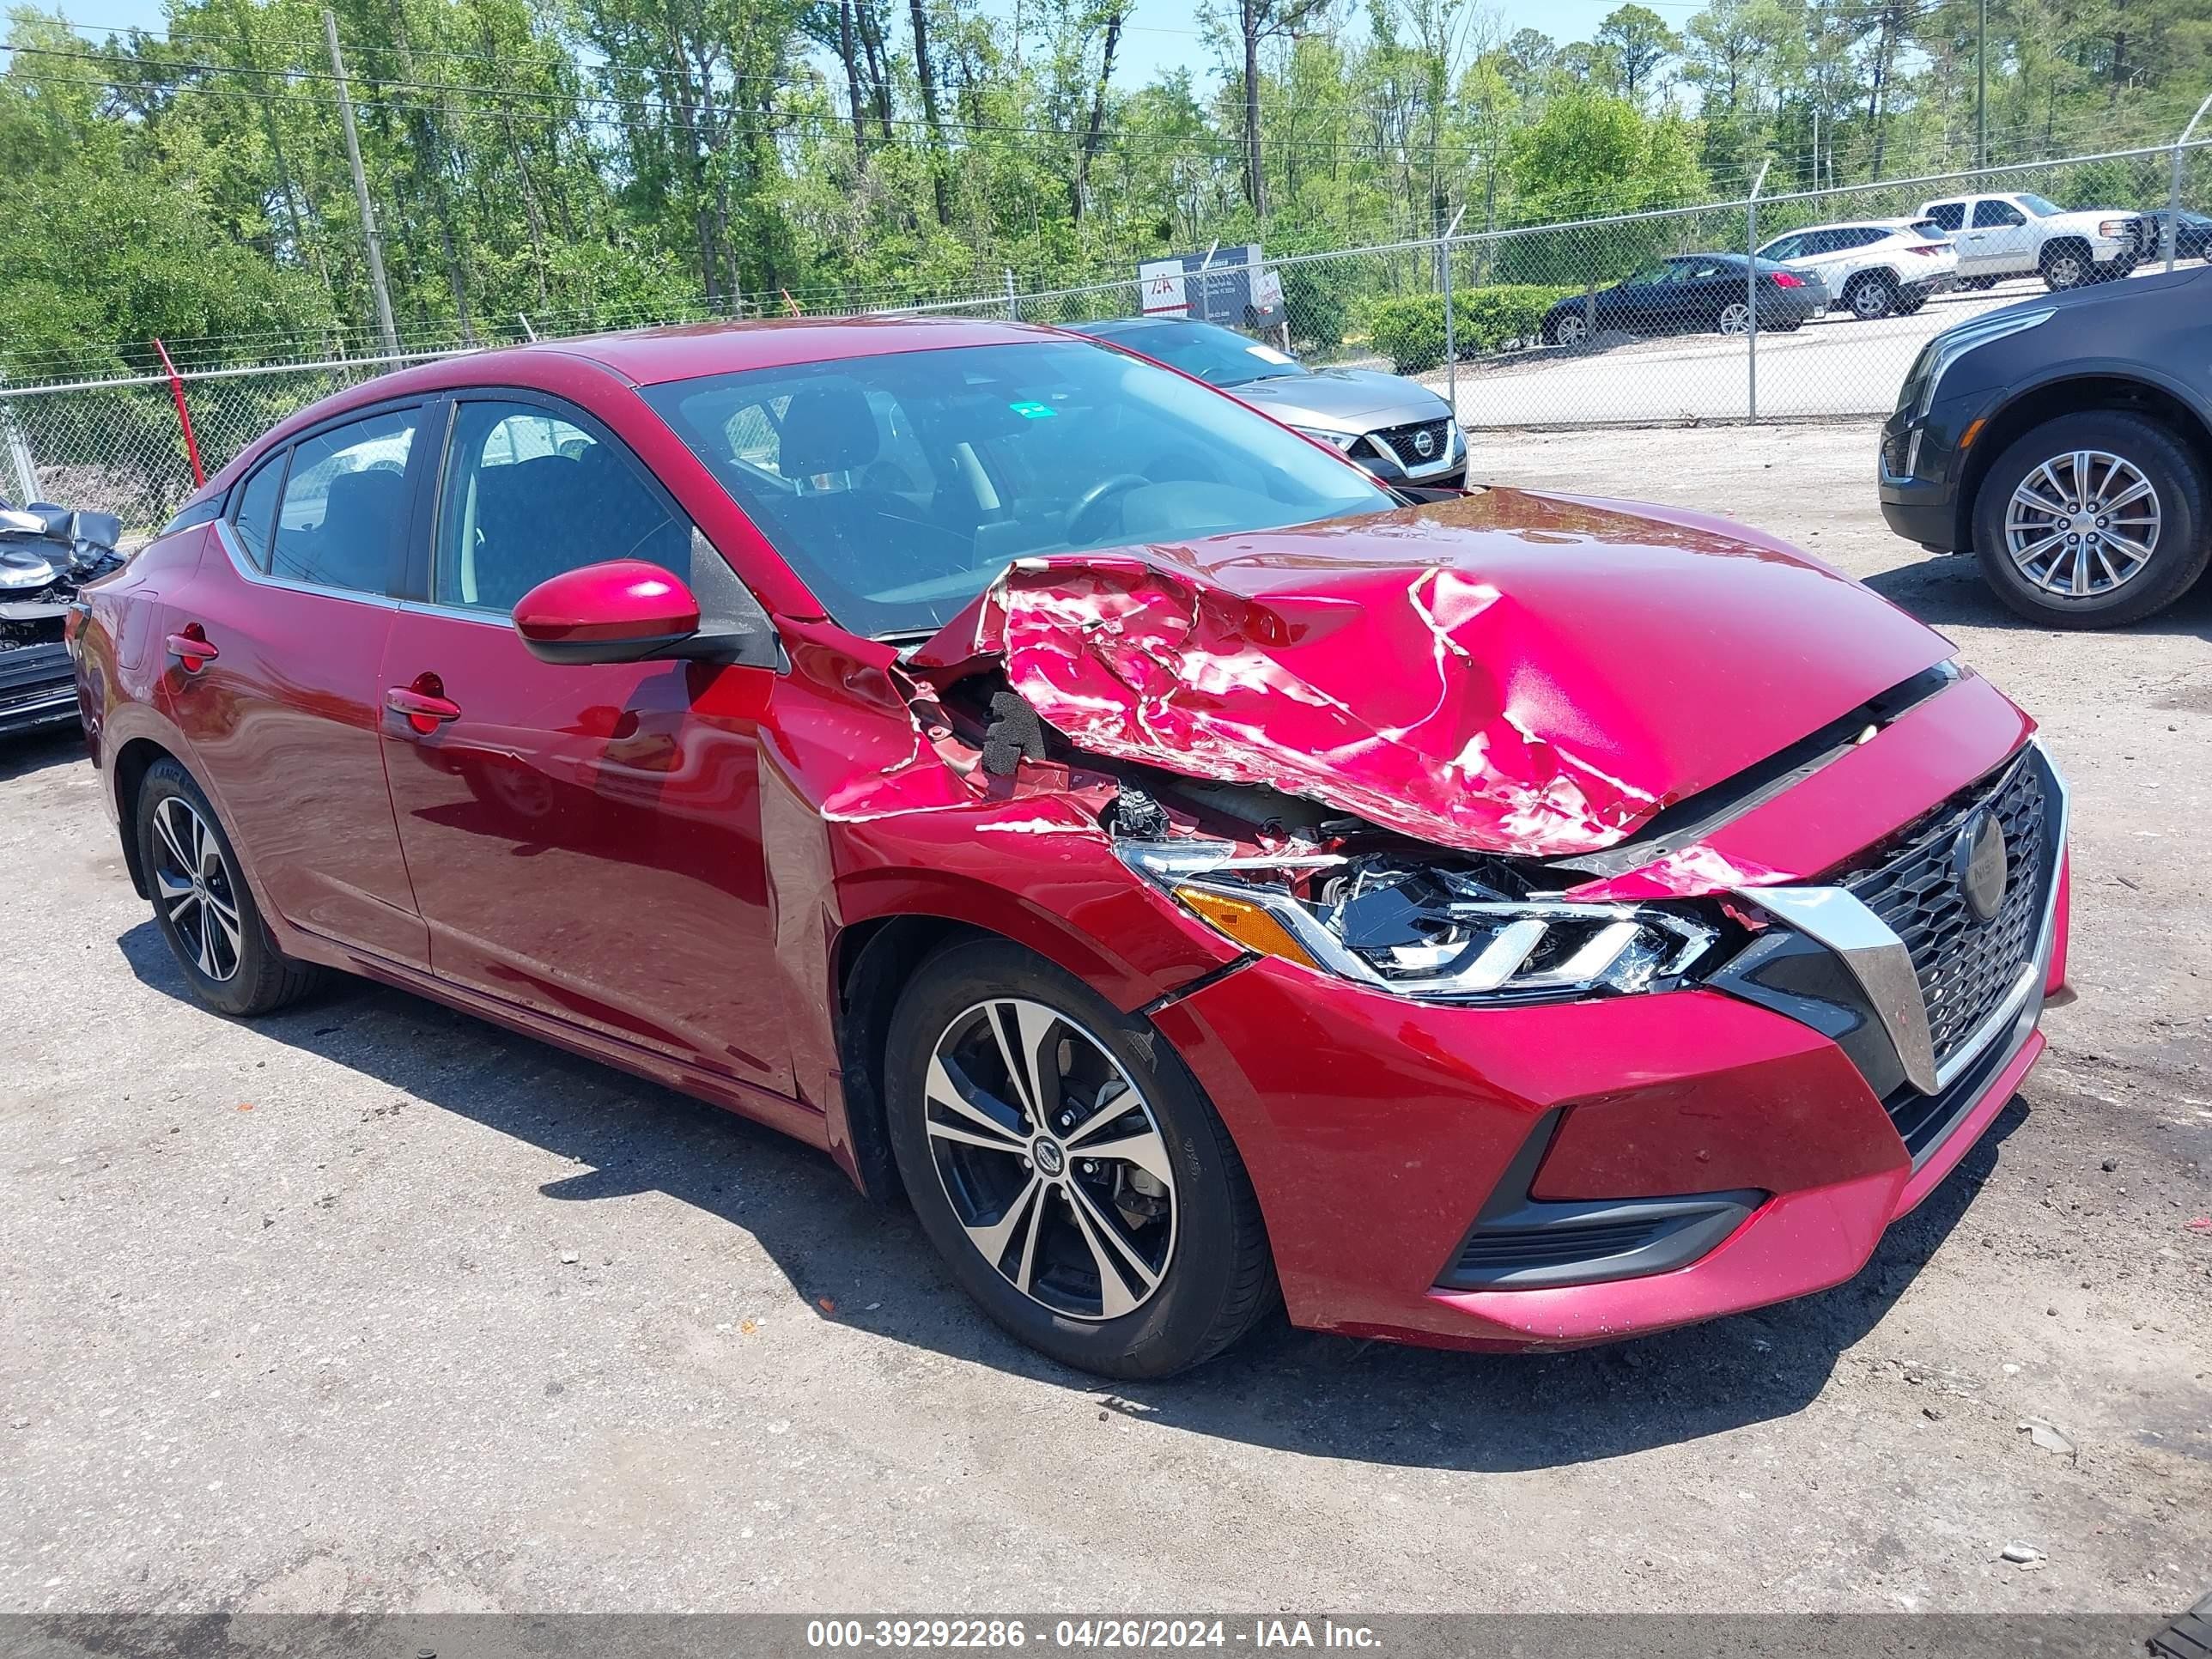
{"points": [[373, 1307]]}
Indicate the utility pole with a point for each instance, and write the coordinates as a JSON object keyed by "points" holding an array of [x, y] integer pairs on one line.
{"points": [[1982, 87], [1751, 293], [384, 322]]}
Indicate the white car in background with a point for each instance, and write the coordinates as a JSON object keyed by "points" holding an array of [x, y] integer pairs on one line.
{"points": [[1874, 267], [2024, 234]]}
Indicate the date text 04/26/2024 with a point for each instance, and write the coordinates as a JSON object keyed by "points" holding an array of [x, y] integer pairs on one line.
{"points": [[1086, 1634]]}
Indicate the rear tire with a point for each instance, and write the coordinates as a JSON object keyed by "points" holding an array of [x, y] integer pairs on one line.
{"points": [[1013, 1183], [203, 906], [1871, 297], [2170, 519]]}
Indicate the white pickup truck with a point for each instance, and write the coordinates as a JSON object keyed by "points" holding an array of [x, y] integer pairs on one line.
{"points": [[2023, 234]]}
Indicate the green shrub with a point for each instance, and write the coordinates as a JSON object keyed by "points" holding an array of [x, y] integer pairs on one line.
{"points": [[1410, 331]]}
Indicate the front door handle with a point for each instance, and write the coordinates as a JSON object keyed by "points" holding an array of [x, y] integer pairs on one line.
{"points": [[424, 704], [190, 646]]}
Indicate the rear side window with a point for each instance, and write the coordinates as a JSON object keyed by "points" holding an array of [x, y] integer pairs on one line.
{"points": [[255, 513], [345, 504], [1950, 216]]}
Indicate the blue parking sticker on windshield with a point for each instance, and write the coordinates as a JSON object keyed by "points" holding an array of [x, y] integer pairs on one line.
{"points": [[1033, 411]]}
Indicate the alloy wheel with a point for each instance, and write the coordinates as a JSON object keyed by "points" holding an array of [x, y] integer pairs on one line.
{"points": [[2082, 524], [1051, 1158], [1870, 300], [195, 887], [2067, 271], [1735, 318], [1569, 331]]}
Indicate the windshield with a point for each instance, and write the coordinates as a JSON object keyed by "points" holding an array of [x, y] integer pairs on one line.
{"points": [[897, 486], [2039, 206], [1217, 356]]}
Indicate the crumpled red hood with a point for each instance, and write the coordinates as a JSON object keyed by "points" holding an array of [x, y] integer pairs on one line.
{"points": [[1510, 672]]}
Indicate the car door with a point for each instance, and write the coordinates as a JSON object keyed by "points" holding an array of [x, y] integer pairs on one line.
{"points": [[1703, 288], [2006, 243], [1950, 217], [584, 841], [273, 677], [1639, 304]]}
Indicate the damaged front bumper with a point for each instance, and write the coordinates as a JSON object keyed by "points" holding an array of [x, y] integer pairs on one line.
{"points": [[1571, 1007], [1553, 1175], [47, 554]]}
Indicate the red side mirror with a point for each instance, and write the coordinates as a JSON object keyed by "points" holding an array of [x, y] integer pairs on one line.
{"points": [[622, 610]]}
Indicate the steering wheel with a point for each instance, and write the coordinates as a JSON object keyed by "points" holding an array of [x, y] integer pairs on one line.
{"points": [[1088, 502]]}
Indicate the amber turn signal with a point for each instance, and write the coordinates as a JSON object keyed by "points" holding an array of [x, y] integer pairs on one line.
{"points": [[1249, 924]]}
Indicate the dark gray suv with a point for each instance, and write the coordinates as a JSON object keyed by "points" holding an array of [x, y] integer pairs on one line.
{"points": [[2067, 441]]}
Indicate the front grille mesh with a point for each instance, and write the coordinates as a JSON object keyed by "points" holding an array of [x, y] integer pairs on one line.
{"points": [[1406, 451], [1965, 968]]}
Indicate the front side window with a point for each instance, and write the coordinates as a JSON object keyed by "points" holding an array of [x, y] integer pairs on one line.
{"points": [[1790, 247], [529, 495], [896, 486], [1990, 213], [345, 504], [256, 511]]}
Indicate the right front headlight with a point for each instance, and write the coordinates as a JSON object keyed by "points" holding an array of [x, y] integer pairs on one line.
{"points": [[1937, 356], [1429, 930]]}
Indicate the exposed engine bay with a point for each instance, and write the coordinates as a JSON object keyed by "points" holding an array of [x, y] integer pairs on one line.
{"points": [[47, 553], [1283, 876]]}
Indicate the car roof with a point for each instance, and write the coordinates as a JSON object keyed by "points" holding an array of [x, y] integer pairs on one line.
{"points": [[654, 356], [651, 357]]}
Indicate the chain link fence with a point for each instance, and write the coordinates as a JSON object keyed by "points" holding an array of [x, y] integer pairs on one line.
{"points": [[1799, 304]]}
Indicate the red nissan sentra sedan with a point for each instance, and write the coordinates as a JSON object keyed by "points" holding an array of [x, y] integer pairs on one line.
{"points": [[1188, 871]]}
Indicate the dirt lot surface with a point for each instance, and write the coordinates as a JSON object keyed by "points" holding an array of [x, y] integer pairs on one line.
{"points": [[372, 1306]]}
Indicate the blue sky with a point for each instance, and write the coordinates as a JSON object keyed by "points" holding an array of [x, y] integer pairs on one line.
{"points": [[1161, 34]]}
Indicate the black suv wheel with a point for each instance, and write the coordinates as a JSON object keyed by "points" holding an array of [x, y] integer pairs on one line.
{"points": [[2092, 521]]}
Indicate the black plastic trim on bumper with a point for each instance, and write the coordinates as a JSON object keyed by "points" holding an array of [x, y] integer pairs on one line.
{"points": [[1924, 1123], [38, 687], [1520, 1243]]}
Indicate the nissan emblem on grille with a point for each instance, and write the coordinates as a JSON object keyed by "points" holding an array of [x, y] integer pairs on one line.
{"points": [[1930, 885], [1978, 856], [1423, 445]]}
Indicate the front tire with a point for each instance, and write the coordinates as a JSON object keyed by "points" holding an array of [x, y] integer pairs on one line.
{"points": [[2067, 266], [1068, 1168], [2092, 521], [203, 905]]}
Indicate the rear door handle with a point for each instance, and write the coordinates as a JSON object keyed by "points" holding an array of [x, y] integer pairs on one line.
{"points": [[191, 648], [425, 703]]}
